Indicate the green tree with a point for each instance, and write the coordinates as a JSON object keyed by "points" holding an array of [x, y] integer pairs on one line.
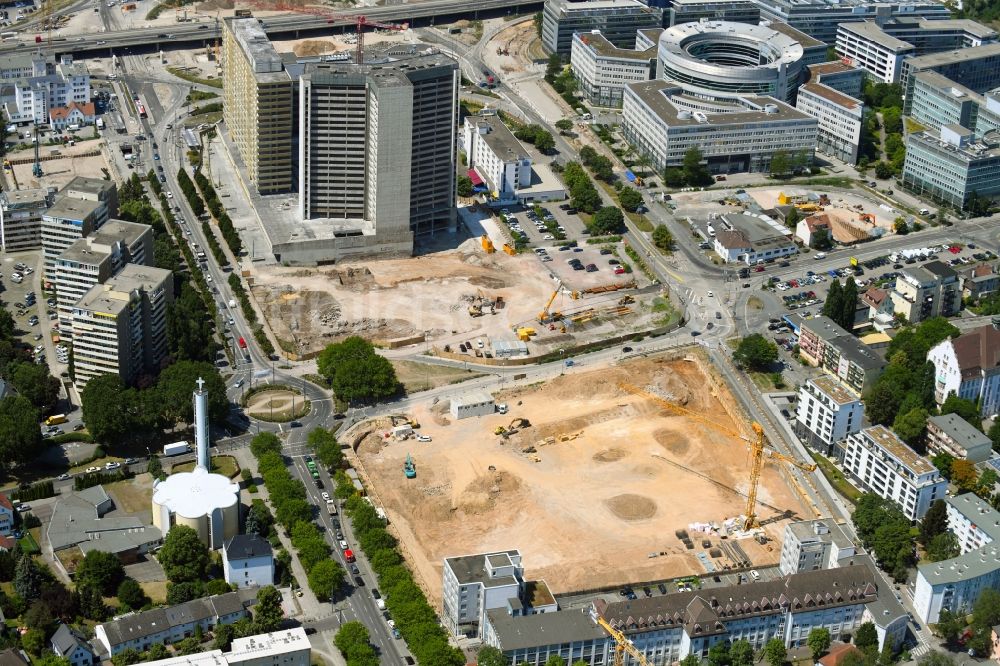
{"points": [[325, 446], [695, 172], [963, 407], [756, 352], [176, 383], [994, 434], [718, 654], [33, 641], [259, 520], [883, 170], [91, 602], [491, 656], [964, 475], [608, 220], [741, 653], [775, 652], [102, 570], [27, 579], [944, 462], [356, 372], [183, 555], [190, 327], [935, 658], [179, 593], [564, 125], [818, 642], [34, 382], [264, 442], [934, 522], [911, 426], [690, 660], [791, 221], [20, 438], [662, 238], [131, 594], [544, 142], [267, 613], [106, 407], [352, 641], [849, 307], [127, 657], [555, 660], [834, 303], [155, 467], [602, 168], [554, 66], [464, 186], [943, 547], [325, 578], [866, 636], [780, 163], [673, 177], [629, 199]]}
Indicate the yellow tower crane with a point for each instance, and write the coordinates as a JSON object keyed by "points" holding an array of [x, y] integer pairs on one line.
{"points": [[756, 441], [622, 644]]}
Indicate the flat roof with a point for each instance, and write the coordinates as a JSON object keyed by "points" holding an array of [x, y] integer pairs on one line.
{"points": [[600, 44], [976, 562], [16, 198], [68, 208], [891, 443], [833, 389], [526, 631], [652, 94], [469, 569], [827, 532], [931, 60], [269, 645], [831, 95], [807, 41], [89, 185], [960, 430], [114, 231], [81, 252], [498, 137], [870, 31], [473, 398], [833, 67], [587, 5], [137, 276]]}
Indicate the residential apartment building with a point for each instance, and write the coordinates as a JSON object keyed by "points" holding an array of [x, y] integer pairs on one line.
{"points": [[662, 123], [258, 105], [94, 259], [969, 366], [48, 87], [951, 165], [6, 516], [617, 20], [248, 561], [21, 218], [66, 221], [827, 413], [820, 18], [120, 326], [496, 155], [288, 647], [812, 545], [880, 47], [956, 584], [924, 292], [823, 343], [70, 645], [839, 118], [533, 639], [475, 584], [603, 69], [881, 463], [951, 434], [979, 281], [688, 11], [880, 308]]}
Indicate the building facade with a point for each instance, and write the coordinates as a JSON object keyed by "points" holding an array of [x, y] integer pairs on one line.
{"points": [[738, 11], [603, 70], [839, 117], [21, 219], [79, 209], [248, 561], [617, 20], [952, 165], [969, 366], [951, 434], [820, 19], [823, 343], [475, 584], [924, 292], [49, 87], [812, 545], [827, 413], [881, 463], [496, 155]]}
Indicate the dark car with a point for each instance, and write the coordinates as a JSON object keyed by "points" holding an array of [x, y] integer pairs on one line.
{"points": [[355, 569], [295, 424], [647, 591], [605, 250], [591, 268], [626, 350], [336, 523], [359, 581], [662, 588]]}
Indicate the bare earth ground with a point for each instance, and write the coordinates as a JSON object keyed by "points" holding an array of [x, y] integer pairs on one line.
{"points": [[276, 403], [590, 510], [429, 295], [58, 172]]}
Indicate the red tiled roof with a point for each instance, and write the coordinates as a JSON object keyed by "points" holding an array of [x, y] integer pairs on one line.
{"points": [[7, 542], [838, 653], [817, 222], [732, 240], [874, 297], [86, 109], [977, 350], [5, 502]]}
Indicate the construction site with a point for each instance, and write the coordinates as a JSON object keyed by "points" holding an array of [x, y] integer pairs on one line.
{"points": [[449, 298], [631, 472]]}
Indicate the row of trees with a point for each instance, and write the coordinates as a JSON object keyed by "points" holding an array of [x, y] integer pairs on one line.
{"points": [[356, 372], [600, 165], [352, 641], [784, 162], [295, 514], [885, 100], [115, 412], [536, 135], [885, 531], [582, 192], [218, 211], [841, 303], [249, 313], [415, 619], [190, 192]]}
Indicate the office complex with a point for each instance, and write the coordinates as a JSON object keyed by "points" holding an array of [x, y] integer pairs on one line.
{"points": [[977, 69], [820, 18], [738, 11], [602, 69], [937, 101], [955, 585], [824, 343], [881, 463], [880, 47], [120, 326], [951, 165], [969, 366], [617, 20], [663, 123], [94, 259], [839, 117], [923, 292], [827, 413], [812, 545], [258, 105], [21, 219]]}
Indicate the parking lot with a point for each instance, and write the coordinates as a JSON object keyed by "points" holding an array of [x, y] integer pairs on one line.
{"points": [[543, 224]]}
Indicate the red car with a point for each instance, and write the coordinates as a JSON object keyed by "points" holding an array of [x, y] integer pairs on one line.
{"points": [[759, 269], [954, 249], [794, 283], [619, 270]]}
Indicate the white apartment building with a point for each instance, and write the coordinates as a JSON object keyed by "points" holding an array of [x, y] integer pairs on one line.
{"points": [[865, 45], [6, 515], [120, 327], [248, 561], [603, 70], [969, 367], [956, 584], [663, 123], [79, 209], [827, 413], [839, 116], [951, 434], [474, 584], [811, 545], [881, 463], [36, 95], [927, 291], [497, 156], [21, 219]]}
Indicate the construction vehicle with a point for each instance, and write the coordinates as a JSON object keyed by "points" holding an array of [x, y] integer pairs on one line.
{"points": [[622, 643], [545, 316], [809, 207], [408, 468], [867, 217], [509, 249], [487, 244], [626, 300], [515, 425], [524, 334], [757, 442]]}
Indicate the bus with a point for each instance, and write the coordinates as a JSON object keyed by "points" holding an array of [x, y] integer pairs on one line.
{"points": [[141, 108]]}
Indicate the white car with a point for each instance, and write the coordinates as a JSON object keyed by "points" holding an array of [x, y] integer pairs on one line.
{"points": [[343, 545], [711, 294], [424, 438], [91, 470], [170, 195], [112, 465], [325, 495]]}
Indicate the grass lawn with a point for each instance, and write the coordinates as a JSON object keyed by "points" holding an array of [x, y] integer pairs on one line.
{"points": [[763, 381], [225, 465], [640, 221], [69, 558], [156, 590], [318, 380], [423, 376], [755, 303], [836, 478], [29, 544], [132, 495], [187, 76], [669, 312]]}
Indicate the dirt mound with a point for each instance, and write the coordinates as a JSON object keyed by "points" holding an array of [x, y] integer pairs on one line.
{"points": [[631, 507], [483, 492], [314, 47], [579, 423], [215, 5], [671, 440], [487, 282], [609, 455]]}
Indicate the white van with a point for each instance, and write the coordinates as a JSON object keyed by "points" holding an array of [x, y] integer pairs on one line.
{"points": [[924, 211], [754, 575]]}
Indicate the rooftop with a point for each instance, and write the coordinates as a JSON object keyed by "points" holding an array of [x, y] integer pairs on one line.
{"points": [[259, 52], [976, 562], [115, 231], [872, 32], [960, 431], [832, 67], [84, 185], [890, 442], [600, 44], [833, 389], [17, 198], [269, 645], [498, 137], [149, 623], [831, 95], [658, 95], [81, 252], [137, 276], [633, 6], [68, 208], [537, 593], [474, 398], [561, 627], [82, 519], [196, 493], [246, 547], [978, 351], [468, 569], [824, 530], [932, 60]]}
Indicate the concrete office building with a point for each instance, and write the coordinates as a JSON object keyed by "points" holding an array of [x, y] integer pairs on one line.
{"points": [[662, 123], [533, 639], [811, 545], [845, 79], [258, 105], [839, 118], [827, 413], [937, 101], [880, 47], [924, 292], [975, 68], [956, 584], [21, 219], [616, 19], [120, 326], [881, 463], [603, 70], [950, 165], [969, 366], [738, 11], [820, 18], [94, 259], [951, 434], [474, 584], [496, 155]]}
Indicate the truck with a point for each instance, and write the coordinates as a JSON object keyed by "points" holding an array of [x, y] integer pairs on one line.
{"points": [[176, 448], [100, 123], [73, 128], [56, 419]]}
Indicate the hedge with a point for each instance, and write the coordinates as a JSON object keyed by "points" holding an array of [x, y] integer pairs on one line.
{"points": [[68, 437], [35, 491], [98, 478]]}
